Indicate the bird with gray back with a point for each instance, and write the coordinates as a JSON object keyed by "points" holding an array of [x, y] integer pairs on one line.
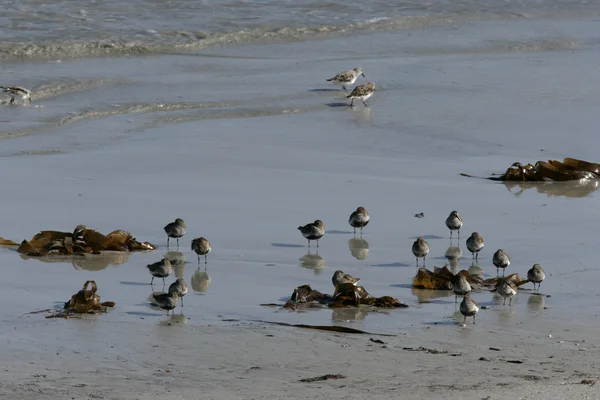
{"points": [[175, 229]]}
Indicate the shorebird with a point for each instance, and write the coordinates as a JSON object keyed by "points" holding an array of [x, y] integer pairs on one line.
{"points": [[475, 244], [506, 289], [339, 277], [313, 231], [347, 77], [167, 301], [202, 247], [362, 92], [460, 286], [175, 229], [17, 92], [468, 307], [420, 248], [160, 269], [501, 260], [179, 287], [454, 222], [536, 275], [359, 219]]}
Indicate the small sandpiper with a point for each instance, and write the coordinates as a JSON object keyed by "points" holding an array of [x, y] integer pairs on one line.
{"points": [[420, 249], [460, 286], [362, 92], [501, 260], [359, 219], [167, 301], [347, 77], [339, 277], [160, 269], [313, 231], [179, 287], [17, 92], [454, 222], [475, 244], [175, 229], [506, 289], [536, 275], [468, 307], [202, 247]]}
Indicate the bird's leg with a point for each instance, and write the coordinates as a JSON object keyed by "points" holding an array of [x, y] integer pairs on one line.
{"points": [[344, 87], [450, 233], [153, 280], [504, 302], [510, 302], [206, 255], [365, 103], [317, 242], [177, 242], [308, 242], [465, 320], [198, 258], [168, 238], [352, 102], [473, 319], [503, 271]]}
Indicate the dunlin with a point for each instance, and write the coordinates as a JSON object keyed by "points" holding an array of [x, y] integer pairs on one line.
{"points": [[362, 93], [506, 289], [313, 231], [454, 222], [179, 287], [359, 219], [475, 244], [501, 260], [460, 286], [340, 277], [160, 269], [420, 249], [175, 229], [202, 247], [468, 307], [347, 77], [167, 301], [536, 275], [16, 92]]}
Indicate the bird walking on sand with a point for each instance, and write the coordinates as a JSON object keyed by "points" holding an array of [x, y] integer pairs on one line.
{"points": [[167, 301], [454, 222], [460, 286], [313, 231], [468, 307], [179, 287], [160, 269], [202, 247], [536, 275], [175, 229], [506, 289], [501, 260], [475, 244], [16, 92], [347, 77], [420, 249], [362, 93], [339, 277], [359, 219]]}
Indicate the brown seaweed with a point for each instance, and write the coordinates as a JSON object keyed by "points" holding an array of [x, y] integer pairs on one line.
{"points": [[570, 169]]}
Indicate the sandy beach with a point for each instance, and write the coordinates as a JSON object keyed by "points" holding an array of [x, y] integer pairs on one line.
{"points": [[245, 143]]}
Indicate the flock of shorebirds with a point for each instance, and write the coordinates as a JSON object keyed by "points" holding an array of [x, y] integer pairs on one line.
{"points": [[358, 219]]}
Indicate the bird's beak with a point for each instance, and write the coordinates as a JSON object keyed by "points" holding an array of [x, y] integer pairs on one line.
{"points": [[364, 76]]}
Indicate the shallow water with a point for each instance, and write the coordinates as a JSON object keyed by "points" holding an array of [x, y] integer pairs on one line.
{"points": [[248, 142]]}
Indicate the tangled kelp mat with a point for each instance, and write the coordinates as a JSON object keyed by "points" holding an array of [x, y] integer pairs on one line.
{"points": [[83, 240], [442, 278], [6, 242], [570, 169]]}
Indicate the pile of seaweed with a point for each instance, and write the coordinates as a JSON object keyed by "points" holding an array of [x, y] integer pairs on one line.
{"points": [[570, 169], [441, 279], [83, 240]]}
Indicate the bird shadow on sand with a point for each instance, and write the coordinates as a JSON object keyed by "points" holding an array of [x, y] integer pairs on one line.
{"points": [[134, 283], [326, 90], [338, 104], [287, 245], [396, 264], [440, 323], [427, 237]]}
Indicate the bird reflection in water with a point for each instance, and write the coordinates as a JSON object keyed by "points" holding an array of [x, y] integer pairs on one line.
{"points": [[177, 260], [453, 254], [429, 296], [536, 302], [475, 270], [200, 281], [359, 248], [580, 188], [313, 261], [344, 314]]}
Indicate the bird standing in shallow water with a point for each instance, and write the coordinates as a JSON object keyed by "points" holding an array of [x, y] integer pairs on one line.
{"points": [[160, 269], [506, 289], [362, 92], [202, 247], [179, 287], [501, 260], [313, 231], [16, 92], [347, 77], [475, 244], [167, 301], [420, 249], [175, 229], [339, 277], [359, 219], [454, 222], [536, 275], [468, 307]]}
